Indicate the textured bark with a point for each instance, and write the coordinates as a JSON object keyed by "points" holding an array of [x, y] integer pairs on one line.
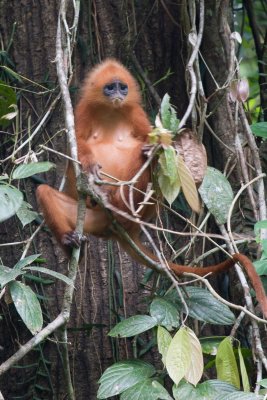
{"points": [[107, 28]]}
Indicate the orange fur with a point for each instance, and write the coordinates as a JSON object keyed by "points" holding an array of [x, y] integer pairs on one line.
{"points": [[112, 135]]}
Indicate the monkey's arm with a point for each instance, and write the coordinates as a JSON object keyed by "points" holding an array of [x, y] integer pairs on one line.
{"points": [[141, 123]]}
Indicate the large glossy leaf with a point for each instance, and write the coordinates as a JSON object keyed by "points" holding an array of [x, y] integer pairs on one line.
{"points": [[27, 306], [26, 261], [26, 170], [164, 340], [50, 272], [8, 275], [146, 390], [226, 365], [195, 370], [189, 392], [133, 326], [239, 396], [259, 129], [205, 307], [25, 214], [217, 194], [179, 355], [123, 375], [220, 386], [165, 313], [208, 390], [10, 200]]}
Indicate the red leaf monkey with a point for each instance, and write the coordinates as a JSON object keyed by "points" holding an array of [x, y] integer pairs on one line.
{"points": [[111, 130]]}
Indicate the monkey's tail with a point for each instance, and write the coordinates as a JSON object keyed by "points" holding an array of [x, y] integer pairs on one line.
{"points": [[144, 256]]}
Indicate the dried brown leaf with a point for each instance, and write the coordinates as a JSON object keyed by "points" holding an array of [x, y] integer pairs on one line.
{"points": [[188, 185], [193, 154]]}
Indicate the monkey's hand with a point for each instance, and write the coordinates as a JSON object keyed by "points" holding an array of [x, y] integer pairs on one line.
{"points": [[147, 150], [73, 239], [94, 169]]}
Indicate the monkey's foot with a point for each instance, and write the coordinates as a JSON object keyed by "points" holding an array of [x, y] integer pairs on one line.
{"points": [[73, 239]]}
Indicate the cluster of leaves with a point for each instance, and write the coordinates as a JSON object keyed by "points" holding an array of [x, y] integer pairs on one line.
{"points": [[182, 354], [12, 199], [24, 299], [174, 175]]}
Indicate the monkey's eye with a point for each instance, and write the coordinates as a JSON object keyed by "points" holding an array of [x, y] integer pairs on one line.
{"points": [[109, 89], [123, 88], [115, 88]]}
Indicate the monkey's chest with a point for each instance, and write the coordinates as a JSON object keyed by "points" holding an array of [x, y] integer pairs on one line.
{"points": [[118, 152]]}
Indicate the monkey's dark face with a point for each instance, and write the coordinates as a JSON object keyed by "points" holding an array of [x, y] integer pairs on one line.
{"points": [[115, 91]]}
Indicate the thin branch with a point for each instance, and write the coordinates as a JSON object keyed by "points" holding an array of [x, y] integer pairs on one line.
{"points": [[37, 129], [190, 66]]}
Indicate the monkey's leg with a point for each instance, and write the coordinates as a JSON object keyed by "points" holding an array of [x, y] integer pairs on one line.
{"points": [[60, 214]]}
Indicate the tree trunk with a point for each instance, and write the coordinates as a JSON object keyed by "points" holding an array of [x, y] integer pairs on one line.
{"points": [[151, 38], [108, 283]]}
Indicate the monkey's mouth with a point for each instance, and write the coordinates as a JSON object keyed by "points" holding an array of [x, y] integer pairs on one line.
{"points": [[117, 101]]}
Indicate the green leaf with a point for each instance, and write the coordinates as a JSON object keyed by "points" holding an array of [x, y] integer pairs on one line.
{"points": [[217, 194], [204, 306], [263, 383], [165, 313], [168, 161], [259, 129], [10, 200], [50, 272], [168, 115], [179, 355], [187, 391], [210, 344], [26, 170], [26, 261], [260, 225], [25, 215], [27, 306], [168, 177], [188, 185], [123, 375], [207, 390], [8, 274], [196, 367], [12, 114], [133, 326], [238, 396], [220, 386], [146, 390], [261, 267], [8, 98], [164, 340], [226, 365], [243, 371]]}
